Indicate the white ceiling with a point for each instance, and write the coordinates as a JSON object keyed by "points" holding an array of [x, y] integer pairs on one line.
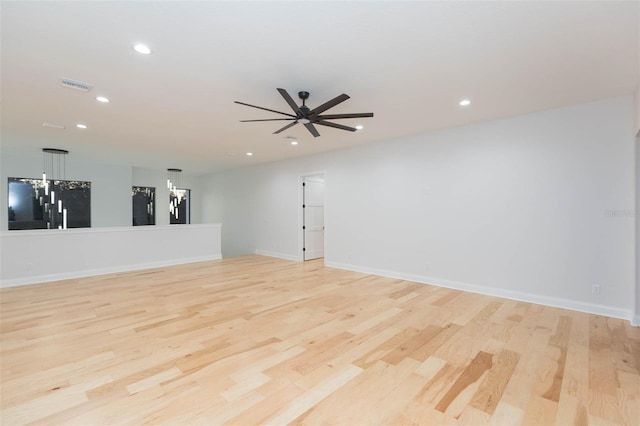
{"points": [[408, 62]]}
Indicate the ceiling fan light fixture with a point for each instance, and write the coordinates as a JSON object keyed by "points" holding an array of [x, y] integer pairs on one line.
{"points": [[304, 121]]}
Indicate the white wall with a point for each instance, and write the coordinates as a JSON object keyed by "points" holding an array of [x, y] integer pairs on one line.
{"points": [[262, 205], [158, 180], [525, 207], [91, 251], [112, 244], [110, 186], [232, 195]]}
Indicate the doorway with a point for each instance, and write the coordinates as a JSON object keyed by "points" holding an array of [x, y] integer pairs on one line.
{"points": [[313, 217]]}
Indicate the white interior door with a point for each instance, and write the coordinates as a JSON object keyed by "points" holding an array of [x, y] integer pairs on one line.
{"points": [[313, 217]]}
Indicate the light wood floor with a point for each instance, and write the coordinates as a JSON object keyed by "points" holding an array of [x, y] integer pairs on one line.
{"points": [[255, 340]]}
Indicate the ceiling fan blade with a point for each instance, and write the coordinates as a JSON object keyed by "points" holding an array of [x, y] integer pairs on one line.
{"points": [[285, 127], [330, 104], [268, 119], [266, 109], [312, 130], [335, 125], [337, 116], [290, 101]]}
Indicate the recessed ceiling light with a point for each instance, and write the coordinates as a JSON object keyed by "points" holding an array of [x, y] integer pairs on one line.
{"points": [[294, 142], [465, 102], [142, 48], [102, 99], [81, 126], [359, 127], [249, 154]]}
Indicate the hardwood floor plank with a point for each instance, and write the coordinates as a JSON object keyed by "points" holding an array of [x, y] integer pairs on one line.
{"points": [[313, 396], [385, 348], [571, 412], [559, 341], [431, 346], [506, 414], [476, 368], [277, 393], [540, 411], [258, 340], [411, 346], [379, 382], [490, 391]]}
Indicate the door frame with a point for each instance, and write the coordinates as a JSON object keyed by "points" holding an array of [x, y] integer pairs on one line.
{"points": [[301, 212]]}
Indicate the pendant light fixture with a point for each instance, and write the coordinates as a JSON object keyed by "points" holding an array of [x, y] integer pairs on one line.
{"points": [[175, 194], [54, 168]]}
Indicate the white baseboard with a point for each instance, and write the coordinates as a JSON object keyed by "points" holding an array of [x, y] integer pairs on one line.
{"points": [[498, 292], [102, 271], [278, 255]]}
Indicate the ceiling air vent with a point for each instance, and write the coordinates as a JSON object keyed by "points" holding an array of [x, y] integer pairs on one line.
{"points": [[53, 126], [75, 84]]}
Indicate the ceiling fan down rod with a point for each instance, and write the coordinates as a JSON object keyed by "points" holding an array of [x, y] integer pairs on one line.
{"points": [[304, 96]]}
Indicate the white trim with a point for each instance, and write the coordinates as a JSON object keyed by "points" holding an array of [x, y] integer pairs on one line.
{"points": [[636, 145], [74, 231], [102, 271], [497, 292], [279, 255]]}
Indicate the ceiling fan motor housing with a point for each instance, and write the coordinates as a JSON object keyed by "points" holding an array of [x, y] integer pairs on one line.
{"points": [[303, 95]]}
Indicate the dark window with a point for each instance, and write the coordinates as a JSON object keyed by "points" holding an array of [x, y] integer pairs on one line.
{"points": [[31, 206], [179, 208], [143, 200]]}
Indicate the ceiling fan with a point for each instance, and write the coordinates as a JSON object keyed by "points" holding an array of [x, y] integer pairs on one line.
{"points": [[309, 117]]}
